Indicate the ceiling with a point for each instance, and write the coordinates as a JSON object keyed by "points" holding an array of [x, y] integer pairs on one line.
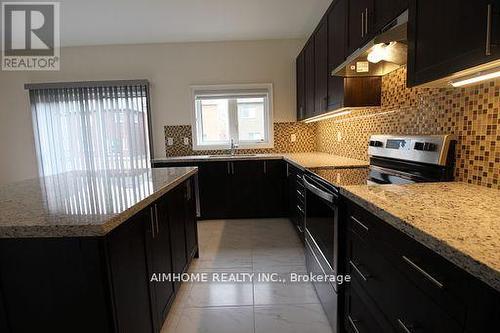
{"points": [[98, 22]]}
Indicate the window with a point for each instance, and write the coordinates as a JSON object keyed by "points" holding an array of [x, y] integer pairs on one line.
{"points": [[91, 126], [240, 113]]}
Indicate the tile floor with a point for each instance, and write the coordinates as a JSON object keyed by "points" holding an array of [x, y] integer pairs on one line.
{"points": [[246, 246]]}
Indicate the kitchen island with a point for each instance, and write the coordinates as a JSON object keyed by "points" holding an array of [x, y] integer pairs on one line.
{"points": [[77, 250]]}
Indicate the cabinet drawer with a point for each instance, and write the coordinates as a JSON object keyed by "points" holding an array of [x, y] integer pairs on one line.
{"points": [[404, 304], [361, 314], [436, 277]]}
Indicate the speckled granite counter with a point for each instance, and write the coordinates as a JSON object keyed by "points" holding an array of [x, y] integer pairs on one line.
{"points": [[459, 221], [301, 160], [82, 203]]}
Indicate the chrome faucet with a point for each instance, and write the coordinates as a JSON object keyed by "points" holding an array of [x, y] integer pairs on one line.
{"points": [[233, 148]]}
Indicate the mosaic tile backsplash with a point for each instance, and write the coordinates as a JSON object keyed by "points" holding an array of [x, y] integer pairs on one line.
{"points": [[305, 140], [471, 113]]}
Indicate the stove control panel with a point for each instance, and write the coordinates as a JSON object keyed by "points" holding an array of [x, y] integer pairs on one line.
{"points": [[430, 149], [425, 146]]}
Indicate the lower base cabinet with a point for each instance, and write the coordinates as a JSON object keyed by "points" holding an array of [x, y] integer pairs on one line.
{"points": [[399, 285], [100, 284], [240, 189]]}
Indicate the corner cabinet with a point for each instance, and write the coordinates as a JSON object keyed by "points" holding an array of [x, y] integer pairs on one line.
{"points": [[100, 284], [240, 188], [449, 36]]}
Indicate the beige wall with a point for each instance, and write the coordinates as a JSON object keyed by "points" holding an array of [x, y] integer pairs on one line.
{"points": [[171, 69]]}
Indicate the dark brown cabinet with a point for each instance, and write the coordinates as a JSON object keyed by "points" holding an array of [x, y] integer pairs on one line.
{"points": [[445, 37], [400, 283], [337, 28], [360, 23], [129, 275], [386, 11], [300, 70], [296, 198], [354, 91], [240, 189], [309, 89], [321, 68], [177, 218], [159, 259]]}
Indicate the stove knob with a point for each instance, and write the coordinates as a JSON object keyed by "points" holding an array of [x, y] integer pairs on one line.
{"points": [[429, 146], [375, 143], [425, 146]]}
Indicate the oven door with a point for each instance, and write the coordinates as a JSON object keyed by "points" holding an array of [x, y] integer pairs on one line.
{"points": [[322, 227]]}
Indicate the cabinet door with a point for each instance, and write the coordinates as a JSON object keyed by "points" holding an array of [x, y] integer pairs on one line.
{"points": [[214, 178], [176, 217], [360, 23], [300, 63], [273, 198], [337, 30], [387, 10], [247, 188], [292, 194], [127, 255], [160, 259], [321, 68], [447, 36], [309, 78], [191, 226]]}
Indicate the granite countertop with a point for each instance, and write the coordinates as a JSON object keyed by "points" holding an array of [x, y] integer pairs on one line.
{"points": [[301, 160], [459, 221], [82, 204], [323, 160]]}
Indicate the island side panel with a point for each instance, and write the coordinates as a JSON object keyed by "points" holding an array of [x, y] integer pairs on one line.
{"points": [[55, 285]]}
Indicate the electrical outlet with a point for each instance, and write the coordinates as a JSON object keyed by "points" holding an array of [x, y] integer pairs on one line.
{"points": [[170, 141], [339, 136], [293, 138], [186, 141]]}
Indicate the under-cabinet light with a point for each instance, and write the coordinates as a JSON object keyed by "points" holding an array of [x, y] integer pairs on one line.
{"points": [[478, 77], [327, 116]]}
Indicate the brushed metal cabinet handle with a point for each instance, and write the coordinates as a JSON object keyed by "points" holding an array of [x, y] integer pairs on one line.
{"points": [[364, 277], [423, 272], [156, 219], [366, 21], [265, 167], [405, 328], [152, 222], [352, 322], [228, 168], [488, 31], [232, 167], [360, 223]]}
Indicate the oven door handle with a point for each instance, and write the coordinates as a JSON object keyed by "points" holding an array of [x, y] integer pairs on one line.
{"points": [[330, 197]]}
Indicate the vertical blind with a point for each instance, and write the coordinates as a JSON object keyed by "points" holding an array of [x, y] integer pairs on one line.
{"points": [[91, 126]]}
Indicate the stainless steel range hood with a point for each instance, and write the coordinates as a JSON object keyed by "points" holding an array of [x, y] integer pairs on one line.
{"points": [[383, 54]]}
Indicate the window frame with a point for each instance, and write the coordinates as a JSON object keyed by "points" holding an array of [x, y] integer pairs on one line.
{"points": [[233, 89]]}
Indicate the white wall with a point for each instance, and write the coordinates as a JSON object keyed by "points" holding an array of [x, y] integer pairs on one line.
{"points": [[171, 69]]}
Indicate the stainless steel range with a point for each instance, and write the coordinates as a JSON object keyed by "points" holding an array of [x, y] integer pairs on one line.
{"points": [[393, 160]]}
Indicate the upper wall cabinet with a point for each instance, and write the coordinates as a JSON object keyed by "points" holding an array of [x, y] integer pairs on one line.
{"points": [[337, 29], [321, 68], [300, 72], [386, 10], [448, 36], [360, 18], [309, 76]]}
